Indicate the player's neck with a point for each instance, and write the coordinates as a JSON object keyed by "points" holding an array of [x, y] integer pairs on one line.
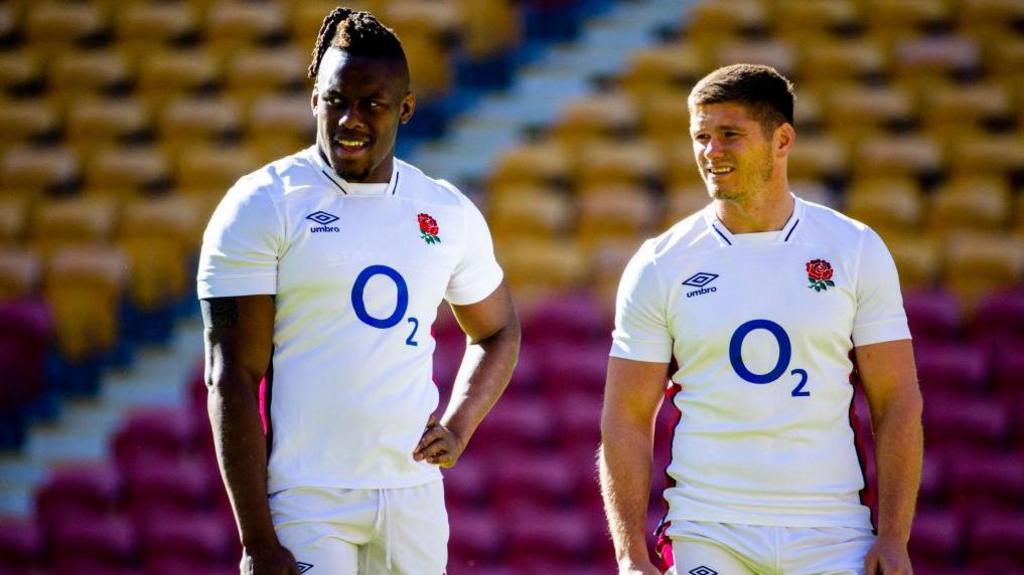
{"points": [[766, 213]]}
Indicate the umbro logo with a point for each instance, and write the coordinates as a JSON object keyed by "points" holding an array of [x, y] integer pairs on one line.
{"points": [[303, 567], [700, 280], [324, 219], [702, 570]]}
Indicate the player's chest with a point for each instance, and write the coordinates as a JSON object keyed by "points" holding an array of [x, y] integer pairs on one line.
{"points": [[801, 288], [336, 239]]}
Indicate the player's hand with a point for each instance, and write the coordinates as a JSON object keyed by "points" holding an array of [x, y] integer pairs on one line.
{"points": [[268, 560], [439, 445], [888, 557]]}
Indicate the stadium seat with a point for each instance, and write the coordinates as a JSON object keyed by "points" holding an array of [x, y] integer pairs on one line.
{"points": [[103, 121], [234, 25], [168, 73], [188, 121], [980, 481], [934, 317], [999, 318], [427, 30], [979, 203], [938, 536], [75, 74], [918, 260], [20, 272], [530, 211], [927, 62], [14, 217], [797, 19], [254, 73], [20, 68], [26, 332], [659, 72], [890, 205], [491, 27], [564, 319], [853, 111], [996, 540], [59, 24], [475, 536], [954, 366], [613, 211], [988, 154], [541, 163], [904, 18], [842, 60], [932, 492], [21, 545], [967, 422], [579, 424], [579, 367], [76, 493], [205, 169], [605, 116], [547, 533], [38, 169], [124, 172], [775, 52], [76, 221], [517, 482], [101, 544], [146, 26], [155, 434], [468, 485], [26, 121], [980, 264], [960, 107], [518, 423], [628, 163], [881, 156], [155, 485], [539, 268], [712, 22], [83, 286], [817, 157]]}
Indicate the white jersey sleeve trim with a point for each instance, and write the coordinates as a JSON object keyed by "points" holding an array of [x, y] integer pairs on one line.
{"points": [[477, 274], [641, 326], [880, 314]]}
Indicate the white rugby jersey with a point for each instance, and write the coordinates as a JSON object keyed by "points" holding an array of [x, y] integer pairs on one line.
{"points": [[357, 280], [761, 327]]}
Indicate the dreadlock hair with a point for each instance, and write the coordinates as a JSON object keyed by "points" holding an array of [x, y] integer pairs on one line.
{"points": [[767, 94], [359, 34]]}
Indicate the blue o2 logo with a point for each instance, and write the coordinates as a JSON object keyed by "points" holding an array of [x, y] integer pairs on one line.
{"points": [[401, 303], [781, 364]]}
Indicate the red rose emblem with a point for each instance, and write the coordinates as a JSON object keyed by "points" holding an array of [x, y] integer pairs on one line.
{"points": [[819, 270], [428, 228], [819, 274]]}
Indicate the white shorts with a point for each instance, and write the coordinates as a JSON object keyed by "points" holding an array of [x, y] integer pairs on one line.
{"points": [[704, 548], [364, 531]]}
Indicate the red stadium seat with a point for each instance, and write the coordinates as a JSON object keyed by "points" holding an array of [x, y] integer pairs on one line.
{"points": [[934, 316], [78, 492], [579, 420], [997, 540], [531, 478], [21, 544], [999, 318], [188, 542], [546, 533], [468, 484], [580, 367], [937, 536], [952, 367], [92, 544], [517, 423], [156, 485], [476, 536], [986, 480], [964, 421], [565, 319], [933, 477]]}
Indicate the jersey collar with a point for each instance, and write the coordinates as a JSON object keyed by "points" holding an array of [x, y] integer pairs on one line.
{"points": [[727, 238], [350, 188]]}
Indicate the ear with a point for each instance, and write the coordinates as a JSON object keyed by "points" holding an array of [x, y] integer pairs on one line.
{"points": [[785, 138], [408, 108], [314, 99]]}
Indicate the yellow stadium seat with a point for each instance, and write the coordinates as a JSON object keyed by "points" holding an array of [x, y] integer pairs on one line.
{"points": [[928, 62], [984, 17], [126, 171], [148, 25], [202, 169], [281, 116], [235, 24], [20, 68], [427, 30], [799, 18], [889, 205], [861, 109], [74, 73], [490, 26], [14, 214], [611, 211], [38, 169], [684, 201], [842, 60], [665, 117], [966, 106], [24, 121], [20, 271], [995, 154], [530, 211], [971, 202], [176, 217], [596, 117], [198, 119], [627, 162], [167, 73], [775, 52], [712, 21], [535, 268], [917, 258], [105, 120], [667, 67], [73, 221], [898, 19], [63, 23], [817, 156], [540, 163], [83, 287], [890, 155], [680, 165], [253, 73], [978, 264]]}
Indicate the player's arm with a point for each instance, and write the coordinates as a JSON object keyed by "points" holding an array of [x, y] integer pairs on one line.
{"points": [[890, 381], [238, 336], [492, 350], [633, 393]]}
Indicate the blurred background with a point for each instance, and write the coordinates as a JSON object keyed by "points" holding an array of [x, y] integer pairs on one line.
{"points": [[122, 122]]}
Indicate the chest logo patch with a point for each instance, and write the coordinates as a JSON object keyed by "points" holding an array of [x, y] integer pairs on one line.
{"points": [[428, 229], [819, 274], [325, 220], [700, 280]]}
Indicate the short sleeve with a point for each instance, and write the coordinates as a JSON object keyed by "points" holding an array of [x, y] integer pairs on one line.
{"points": [[241, 245], [477, 274], [641, 326], [880, 316]]}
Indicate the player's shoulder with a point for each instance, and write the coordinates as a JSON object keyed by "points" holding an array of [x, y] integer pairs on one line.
{"points": [[692, 232], [831, 225], [276, 179], [417, 185]]}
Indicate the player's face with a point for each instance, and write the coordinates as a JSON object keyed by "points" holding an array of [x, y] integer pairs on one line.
{"points": [[733, 153], [358, 103]]}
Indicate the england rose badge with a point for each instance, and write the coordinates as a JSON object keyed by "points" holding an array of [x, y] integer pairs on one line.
{"points": [[819, 274], [428, 229]]}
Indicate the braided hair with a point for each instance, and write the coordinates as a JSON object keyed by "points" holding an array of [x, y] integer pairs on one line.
{"points": [[359, 34]]}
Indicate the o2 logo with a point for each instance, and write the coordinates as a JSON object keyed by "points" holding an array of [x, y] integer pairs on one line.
{"points": [[781, 365], [401, 305]]}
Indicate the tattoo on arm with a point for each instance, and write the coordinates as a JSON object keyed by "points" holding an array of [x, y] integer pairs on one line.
{"points": [[220, 312]]}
